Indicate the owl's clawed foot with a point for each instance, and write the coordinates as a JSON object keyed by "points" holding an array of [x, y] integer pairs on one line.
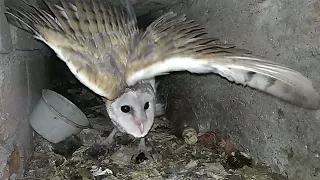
{"points": [[107, 142], [142, 153], [110, 139]]}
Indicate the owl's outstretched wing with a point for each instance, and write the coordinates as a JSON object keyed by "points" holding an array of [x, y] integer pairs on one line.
{"points": [[90, 36], [172, 43]]}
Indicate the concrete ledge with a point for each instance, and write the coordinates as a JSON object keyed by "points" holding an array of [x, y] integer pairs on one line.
{"points": [[14, 98], [38, 76]]}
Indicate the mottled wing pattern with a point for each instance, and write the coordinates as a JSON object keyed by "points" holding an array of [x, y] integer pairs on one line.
{"points": [[91, 36], [173, 43]]}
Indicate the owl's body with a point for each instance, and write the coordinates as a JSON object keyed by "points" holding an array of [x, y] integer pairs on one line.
{"points": [[104, 48]]}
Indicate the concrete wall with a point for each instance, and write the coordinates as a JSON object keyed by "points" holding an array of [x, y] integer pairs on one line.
{"points": [[23, 74], [278, 134]]}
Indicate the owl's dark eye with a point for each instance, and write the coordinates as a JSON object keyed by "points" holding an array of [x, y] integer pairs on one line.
{"points": [[146, 106], [125, 108]]}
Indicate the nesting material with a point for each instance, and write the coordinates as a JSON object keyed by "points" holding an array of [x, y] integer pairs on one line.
{"points": [[81, 158]]}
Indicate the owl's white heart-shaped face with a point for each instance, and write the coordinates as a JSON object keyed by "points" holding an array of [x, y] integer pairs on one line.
{"points": [[133, 112]]}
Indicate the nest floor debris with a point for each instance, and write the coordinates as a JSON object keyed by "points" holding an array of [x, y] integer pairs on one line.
{"points": [[80, 158]]}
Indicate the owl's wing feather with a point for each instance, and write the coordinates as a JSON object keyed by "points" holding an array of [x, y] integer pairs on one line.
{"points": [[172, 43], [90, 36]]}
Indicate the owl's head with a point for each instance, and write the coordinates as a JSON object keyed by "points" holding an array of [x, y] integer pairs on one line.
{"points": [[133, 112]]}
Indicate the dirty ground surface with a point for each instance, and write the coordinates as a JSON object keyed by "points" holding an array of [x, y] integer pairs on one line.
{"points": [[79, 158]]}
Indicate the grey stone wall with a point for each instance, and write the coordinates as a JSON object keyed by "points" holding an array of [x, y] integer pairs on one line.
{"points": [[23, 74], [282, 136]]}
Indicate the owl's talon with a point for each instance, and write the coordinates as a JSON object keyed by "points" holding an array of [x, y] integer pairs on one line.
{"points": [[107, 142], [110, 139]]}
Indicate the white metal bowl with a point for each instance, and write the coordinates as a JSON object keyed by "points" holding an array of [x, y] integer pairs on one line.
{"points": [[56, 118]]}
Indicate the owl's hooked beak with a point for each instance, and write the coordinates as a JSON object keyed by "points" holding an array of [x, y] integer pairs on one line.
{"points": [[139, 124], [140, 119]]}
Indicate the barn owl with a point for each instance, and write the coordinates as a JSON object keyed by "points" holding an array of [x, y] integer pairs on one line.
{"points": [[103, 47]]}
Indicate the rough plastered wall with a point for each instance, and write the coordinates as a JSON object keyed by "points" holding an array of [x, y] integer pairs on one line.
{"points": [[282, 136], [23, 74]]}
